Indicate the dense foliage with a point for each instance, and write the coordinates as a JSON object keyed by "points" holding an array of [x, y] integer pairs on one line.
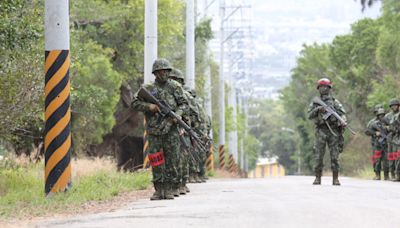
{"points": [[363, 66]]}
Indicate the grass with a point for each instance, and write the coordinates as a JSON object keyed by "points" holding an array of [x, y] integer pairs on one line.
{"points": [[366, 173], [210, 173], [22, 187]]}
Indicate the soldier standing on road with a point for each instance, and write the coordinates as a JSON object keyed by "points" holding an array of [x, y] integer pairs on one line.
{"points": [[378, 129], [395, 127], [373, 139], [327, 132], [201, 126], [163, 135], [185, 157], [392, 149]]}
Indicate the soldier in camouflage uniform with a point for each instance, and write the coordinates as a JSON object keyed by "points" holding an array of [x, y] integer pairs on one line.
{"points": [[395, 127], [201, 126], [327, 132], [177, 76], [378, 129], [373, 139], [163, 135], [392, 149]]}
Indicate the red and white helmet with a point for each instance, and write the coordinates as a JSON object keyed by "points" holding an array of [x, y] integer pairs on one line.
{"points": [[324, 81]]}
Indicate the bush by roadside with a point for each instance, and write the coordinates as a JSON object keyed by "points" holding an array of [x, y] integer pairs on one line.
{"points": [[22, 187]]}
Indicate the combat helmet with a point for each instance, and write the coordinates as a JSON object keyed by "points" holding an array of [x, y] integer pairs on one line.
{"points": [[161, 64], [380, 111], [190, 90], [377, 107], [394, 101], [176, 74], [324, 81]]}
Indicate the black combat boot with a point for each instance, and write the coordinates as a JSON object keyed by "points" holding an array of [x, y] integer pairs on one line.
{"points": [[202, 178], [168, 192], [191, 178], [197, 178], [392, 176], [386, 175], [158, 194], [335, 178], [182, 189], [397, 179], [187, 189], [175, 189], [317, 180], [377, 176]]}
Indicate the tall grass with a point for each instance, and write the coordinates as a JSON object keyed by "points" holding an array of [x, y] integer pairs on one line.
{"points": [[22, 187]]}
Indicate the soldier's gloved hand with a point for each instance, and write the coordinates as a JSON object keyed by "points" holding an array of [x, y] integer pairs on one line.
{"points": [[321, 109], [378, 133], [175, 120], [154, 108]]}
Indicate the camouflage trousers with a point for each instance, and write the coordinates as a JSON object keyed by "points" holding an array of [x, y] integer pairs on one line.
{"points": [[164, 153], [184, 159], [379, 158], [395, 157], [202, 163], [323, 138], [194, 165], [390, 154]]}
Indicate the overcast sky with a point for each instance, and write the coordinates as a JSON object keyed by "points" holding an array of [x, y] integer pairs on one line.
{"points": [[281, 27]]}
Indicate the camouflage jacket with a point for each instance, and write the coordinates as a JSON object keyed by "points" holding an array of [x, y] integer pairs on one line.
{"points": [[377, 126], [170, 92], [201, 124], [369, 132], [192, 112], [317, 116], [391, 120]]}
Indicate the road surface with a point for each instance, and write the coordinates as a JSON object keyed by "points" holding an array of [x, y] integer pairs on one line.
{"points": [[272, 202]]}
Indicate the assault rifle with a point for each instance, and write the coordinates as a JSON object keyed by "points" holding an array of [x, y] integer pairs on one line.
{"points": [[329, 112], [167, 111]]}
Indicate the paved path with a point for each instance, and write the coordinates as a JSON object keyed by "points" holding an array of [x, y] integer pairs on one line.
{"points": [[274, 202]]}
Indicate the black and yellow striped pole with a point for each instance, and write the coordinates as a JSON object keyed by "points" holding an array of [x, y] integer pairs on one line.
{"points": [[57, 133], [221, 157], [210, 159], [231, 164], [146, 163]]}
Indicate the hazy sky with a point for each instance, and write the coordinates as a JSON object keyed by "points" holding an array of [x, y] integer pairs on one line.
{"points": [[281, 27]]}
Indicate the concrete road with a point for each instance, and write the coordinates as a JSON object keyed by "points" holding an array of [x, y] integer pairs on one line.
{"points": [[274, 202]]}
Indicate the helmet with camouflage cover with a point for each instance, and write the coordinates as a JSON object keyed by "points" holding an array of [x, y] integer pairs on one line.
{"points": [[394, 101], [176, 74], [380, 111], [161, 64], [192, 91], [376, 107]]}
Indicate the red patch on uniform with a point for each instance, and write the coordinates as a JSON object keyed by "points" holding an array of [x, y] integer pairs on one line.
{"points": [[377, 154], [157, 158], [391, 156]]}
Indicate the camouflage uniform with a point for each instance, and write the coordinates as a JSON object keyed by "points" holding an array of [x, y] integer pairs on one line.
{"points": [[201, 126], [186, 146], [380, 144], [194, 162], [392, 148], [396, 143], [163, 134], [373, 138], [328, 132]]}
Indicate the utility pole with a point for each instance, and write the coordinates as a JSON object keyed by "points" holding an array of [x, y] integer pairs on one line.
{"points": [[221, 89], [150, 38], [150, 55], [190, 55], [57, 133]]}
